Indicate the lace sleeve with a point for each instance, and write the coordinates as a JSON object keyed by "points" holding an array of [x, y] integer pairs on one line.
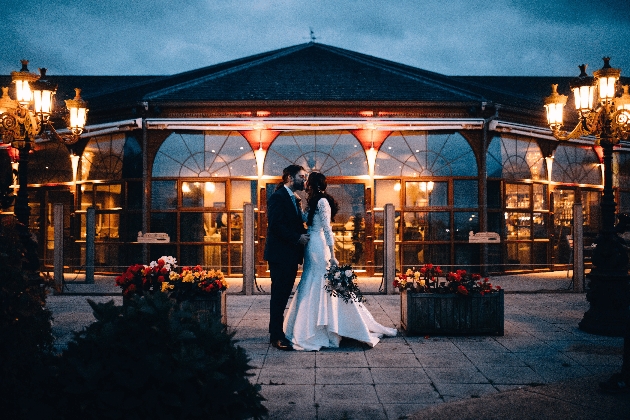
{"points": [[324, 210]]}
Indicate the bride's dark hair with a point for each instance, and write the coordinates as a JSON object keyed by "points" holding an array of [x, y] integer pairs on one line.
{"points": [[316, 191]]}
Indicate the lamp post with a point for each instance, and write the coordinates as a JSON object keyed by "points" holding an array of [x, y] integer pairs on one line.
{"points": [[28, 116], [603, 111]]}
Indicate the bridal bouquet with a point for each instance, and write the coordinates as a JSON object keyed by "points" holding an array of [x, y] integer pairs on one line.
{"points": [[340, 282]]}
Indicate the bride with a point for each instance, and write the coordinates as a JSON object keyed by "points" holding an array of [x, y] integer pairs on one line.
{"points": [[315, 319]]}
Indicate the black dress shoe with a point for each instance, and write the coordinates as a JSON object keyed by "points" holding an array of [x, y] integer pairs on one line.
{"points": [[282, 344]]}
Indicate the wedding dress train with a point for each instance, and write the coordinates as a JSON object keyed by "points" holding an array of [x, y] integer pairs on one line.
{"points": [[315, 319]]}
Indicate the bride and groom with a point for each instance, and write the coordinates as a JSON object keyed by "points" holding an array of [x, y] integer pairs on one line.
{"points": [[314, 319]]}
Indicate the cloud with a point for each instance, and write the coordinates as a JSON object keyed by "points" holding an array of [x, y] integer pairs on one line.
{"points": [[465, 37]]}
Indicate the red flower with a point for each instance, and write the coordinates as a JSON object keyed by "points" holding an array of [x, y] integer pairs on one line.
{"points": [[429, 266], [462, 290], [476, 276], [498, 287], [160, 279]]}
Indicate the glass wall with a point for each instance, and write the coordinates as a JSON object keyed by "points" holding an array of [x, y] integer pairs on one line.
{"points": [[431, 179], [201, 206]]}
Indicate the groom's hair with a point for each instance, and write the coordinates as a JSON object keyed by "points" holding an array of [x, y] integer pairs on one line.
{"points": [[291, 170]]}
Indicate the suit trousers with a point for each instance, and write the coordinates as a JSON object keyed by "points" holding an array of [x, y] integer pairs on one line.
{"points": [[282, 281]]}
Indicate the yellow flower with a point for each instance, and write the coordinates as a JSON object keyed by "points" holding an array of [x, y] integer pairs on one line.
{"points": [[187, 277], [416, 275], [173, 275], [409, 272]]}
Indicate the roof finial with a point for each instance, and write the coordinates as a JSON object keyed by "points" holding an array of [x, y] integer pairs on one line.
{"points": [[313, 38]]}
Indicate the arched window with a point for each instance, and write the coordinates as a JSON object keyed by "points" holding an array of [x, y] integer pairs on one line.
{"points": [[209, 154], [425, 154], [50, 162], [331, 153], [102, 158], [576, 164], [515, 157]]}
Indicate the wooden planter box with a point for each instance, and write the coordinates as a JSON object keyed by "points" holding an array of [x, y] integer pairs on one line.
{"points": [[208, 309], [451, 314]]}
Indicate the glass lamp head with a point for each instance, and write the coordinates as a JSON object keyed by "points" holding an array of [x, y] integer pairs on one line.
{"points": [[554, 104], [23, 80], [583, 88], [607, 78], [43, 92], [77, 108]]}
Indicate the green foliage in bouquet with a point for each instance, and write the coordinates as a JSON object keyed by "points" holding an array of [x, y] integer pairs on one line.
{"points": [[341, 283], [150, 359]]}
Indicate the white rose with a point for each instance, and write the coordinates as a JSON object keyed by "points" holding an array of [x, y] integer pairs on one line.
{"points": [[348, 273], [337, 275]]}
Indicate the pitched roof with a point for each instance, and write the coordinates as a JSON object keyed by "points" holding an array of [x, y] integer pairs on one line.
{"points": [[310, 72]]}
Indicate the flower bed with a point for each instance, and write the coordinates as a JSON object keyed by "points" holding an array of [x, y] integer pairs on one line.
{"points": [[202, 291], [459, 304]]}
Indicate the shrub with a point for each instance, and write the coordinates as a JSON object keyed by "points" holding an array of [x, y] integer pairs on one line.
{"points": [[151, 359], [25, 326]]}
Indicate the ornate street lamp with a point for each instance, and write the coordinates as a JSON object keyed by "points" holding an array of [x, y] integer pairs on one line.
{"points": [[27, 117], [21, 121], [603, 111]]}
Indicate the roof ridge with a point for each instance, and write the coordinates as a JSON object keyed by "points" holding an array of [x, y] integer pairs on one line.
{"points": [[266, 57]]}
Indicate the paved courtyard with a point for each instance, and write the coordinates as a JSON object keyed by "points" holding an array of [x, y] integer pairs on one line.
{"points": [[404, 375]]}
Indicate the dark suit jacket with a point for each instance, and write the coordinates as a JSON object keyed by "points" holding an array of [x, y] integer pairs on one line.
{"points": [[284, 228]]}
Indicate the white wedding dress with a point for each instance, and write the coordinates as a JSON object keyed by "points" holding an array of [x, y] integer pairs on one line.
{"points": [[315, 319]]}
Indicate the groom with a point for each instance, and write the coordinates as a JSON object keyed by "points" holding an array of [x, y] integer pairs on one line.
{"points": [[284, 248]]}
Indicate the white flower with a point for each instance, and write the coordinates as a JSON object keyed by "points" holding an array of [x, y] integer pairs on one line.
{"points": [[348, 273], [337, 275]]}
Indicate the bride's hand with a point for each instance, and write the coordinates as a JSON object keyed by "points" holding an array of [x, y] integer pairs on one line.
{"points": [[333, 261]]}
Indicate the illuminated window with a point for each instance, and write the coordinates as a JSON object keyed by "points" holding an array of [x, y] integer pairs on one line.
{"points": [[207, 154], [576, 165], [515, 157], [425, 154], [331, 153]]}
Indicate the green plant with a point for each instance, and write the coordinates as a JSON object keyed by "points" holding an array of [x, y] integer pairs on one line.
{"points": [[25, 326], [151, 359]]}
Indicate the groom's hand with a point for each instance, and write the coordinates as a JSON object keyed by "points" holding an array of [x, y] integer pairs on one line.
{"points": [[304, 238]]}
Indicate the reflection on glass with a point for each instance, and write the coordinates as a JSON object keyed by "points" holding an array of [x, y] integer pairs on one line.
{"points": [[243, 192], [517, 195], [518, 255], [108, 196], [540, 197], [107, 226], [465, 222], [236, 258], [385, 193], [518, 225], [416, 255], [420, 194], [87, 196], [163, 195], [465, 193], [203, 194], [467, 257], [164, 222], [539, 223], [426, 226]]}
